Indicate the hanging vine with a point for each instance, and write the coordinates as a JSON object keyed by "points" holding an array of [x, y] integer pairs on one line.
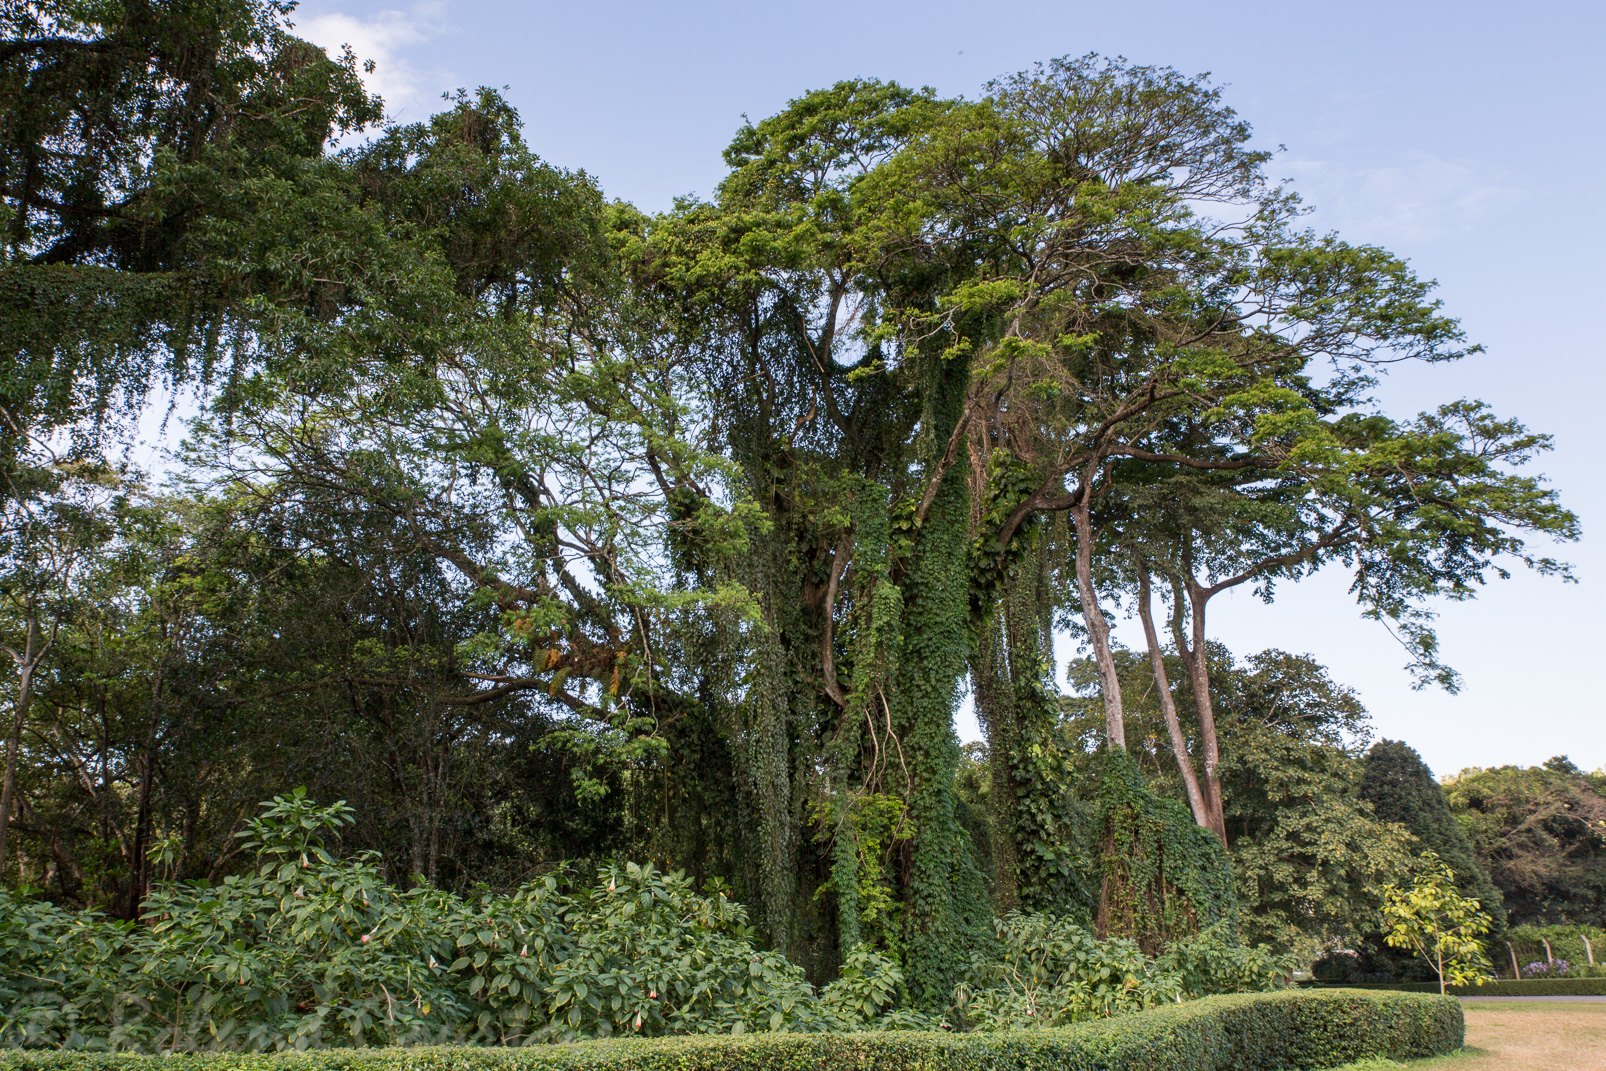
{"points": [[1164, 877]]}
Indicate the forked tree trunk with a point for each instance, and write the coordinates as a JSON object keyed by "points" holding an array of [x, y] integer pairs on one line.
{"points": [[1195, 659], [1168, 705], [1209, 743]]}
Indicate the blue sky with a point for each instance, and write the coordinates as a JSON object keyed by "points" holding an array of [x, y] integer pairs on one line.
{"points": [[1467, 137]]}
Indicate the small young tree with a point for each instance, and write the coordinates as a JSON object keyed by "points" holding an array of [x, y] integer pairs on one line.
{"points": [[1439, 924]]}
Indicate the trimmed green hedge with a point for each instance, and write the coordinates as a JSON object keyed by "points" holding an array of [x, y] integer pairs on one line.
{"points": [[1290, 1029], [1526, 987]]}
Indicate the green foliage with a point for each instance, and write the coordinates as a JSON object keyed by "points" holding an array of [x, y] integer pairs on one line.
{"points": [[1308, 854], [128, 133], [1541, 833], [1045, 971], [1165, 877], [1401, 788], [871, 830], [1215, 960], [1295, 1029], [1335, 967], [559, 530], [1579, 946], [1436, 922], [1309, 850], [310, 951]]}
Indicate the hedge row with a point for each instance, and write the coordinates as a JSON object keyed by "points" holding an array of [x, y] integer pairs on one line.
{"points": [[1525, 987], [1292, 1028]]}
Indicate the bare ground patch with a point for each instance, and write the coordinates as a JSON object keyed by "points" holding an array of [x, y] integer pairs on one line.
{"points": [[1518, 1036]]}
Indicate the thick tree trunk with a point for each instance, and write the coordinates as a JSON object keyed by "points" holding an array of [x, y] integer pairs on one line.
{"points": [[1098, 629], [1168, 705]]}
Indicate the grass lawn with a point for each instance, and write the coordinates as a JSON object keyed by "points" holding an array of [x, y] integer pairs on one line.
{"points": [[1521, 1036]]}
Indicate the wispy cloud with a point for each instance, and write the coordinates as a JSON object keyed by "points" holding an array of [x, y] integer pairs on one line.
{"points": [[392, 39], [1421, 199]]}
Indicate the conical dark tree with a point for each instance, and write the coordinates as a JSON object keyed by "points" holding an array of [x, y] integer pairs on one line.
{"points": [[1401, 788]]}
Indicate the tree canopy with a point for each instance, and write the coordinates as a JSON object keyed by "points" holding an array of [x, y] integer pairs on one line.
{"points": [[557, 529]]}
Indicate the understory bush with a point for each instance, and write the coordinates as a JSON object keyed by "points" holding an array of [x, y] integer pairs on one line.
{"points": [[1336, 967], [1303, 1029], [1046, 971], [310, 951]]}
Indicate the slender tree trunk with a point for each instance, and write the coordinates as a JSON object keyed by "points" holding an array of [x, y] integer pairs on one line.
{"points": [[13, 747], [33, 652], [1098, 628], [1168, 705], [138, 864], [1210, 745]]}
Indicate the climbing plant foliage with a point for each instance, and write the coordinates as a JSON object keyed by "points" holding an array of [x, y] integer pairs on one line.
{"points": [[1164, 876]]}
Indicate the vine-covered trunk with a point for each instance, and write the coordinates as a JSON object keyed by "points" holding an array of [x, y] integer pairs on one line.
{"points": [[943, 896], [936, 642], [1000, 720], [1012, 654]]}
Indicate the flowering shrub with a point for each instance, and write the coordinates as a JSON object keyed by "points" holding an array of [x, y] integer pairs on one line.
{"points": [[1558, 969]]}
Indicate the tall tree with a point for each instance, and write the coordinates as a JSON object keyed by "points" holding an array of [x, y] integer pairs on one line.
{"points": [[1540, 832], [1401, 788]]}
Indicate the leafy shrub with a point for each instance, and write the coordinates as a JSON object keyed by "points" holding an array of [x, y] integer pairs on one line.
{"points": [[311, 951], [1307, 1029], [1215, 961], [1048, 971]]}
